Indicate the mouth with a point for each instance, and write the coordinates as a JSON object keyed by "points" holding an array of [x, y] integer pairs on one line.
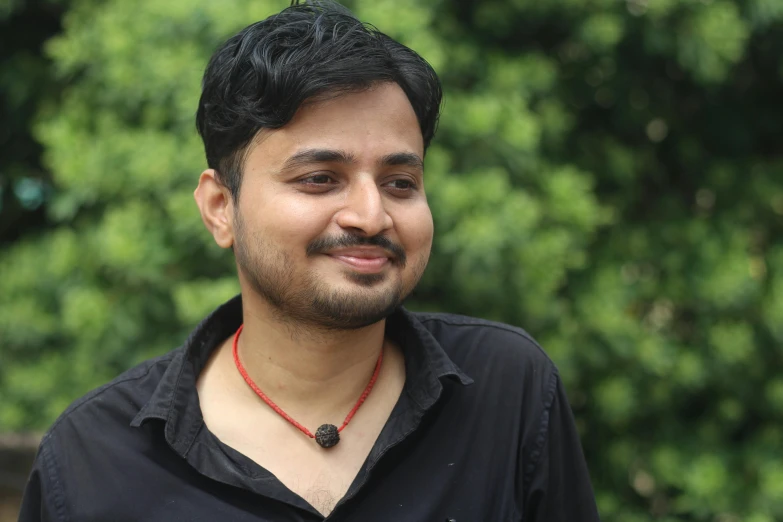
{"points": [[366, 261]]}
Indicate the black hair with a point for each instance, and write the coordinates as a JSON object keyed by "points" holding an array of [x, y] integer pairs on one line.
{"points": [[261, 76]]}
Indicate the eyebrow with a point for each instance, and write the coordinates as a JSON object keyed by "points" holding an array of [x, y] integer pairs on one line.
{"points": [[310, 156], [406, 159]]}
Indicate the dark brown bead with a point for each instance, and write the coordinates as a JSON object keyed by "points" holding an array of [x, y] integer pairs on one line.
{"points": [[327, 435]]}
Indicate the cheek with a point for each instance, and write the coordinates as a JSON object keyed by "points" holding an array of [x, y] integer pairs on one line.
{"points": [[417, 230], [288, 220]]}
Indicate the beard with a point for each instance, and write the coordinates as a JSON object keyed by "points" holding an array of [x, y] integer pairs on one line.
{"points": [[303, 299]]}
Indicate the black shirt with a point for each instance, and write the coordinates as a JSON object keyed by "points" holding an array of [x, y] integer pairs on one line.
{"points": [[482, 431]]}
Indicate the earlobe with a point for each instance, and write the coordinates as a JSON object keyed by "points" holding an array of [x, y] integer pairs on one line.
{"points": [[217, 208]]}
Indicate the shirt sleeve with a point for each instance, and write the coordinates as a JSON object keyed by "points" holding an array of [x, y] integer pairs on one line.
{"points": [[42, 494], [557, 486]]}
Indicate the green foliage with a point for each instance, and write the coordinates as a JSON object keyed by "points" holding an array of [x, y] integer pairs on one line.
{"points": [[607, 174]]}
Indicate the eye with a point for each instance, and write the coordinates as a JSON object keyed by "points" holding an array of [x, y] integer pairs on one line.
{"points": [[402, 186], [317, 182], [317, 179]]}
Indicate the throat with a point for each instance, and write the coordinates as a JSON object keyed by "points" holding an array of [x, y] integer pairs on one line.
{"points": [[317, 381]]}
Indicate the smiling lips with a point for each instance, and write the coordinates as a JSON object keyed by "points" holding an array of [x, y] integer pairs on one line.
{"points": [[365, 260]]}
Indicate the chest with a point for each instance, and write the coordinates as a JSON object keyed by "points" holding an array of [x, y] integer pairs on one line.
{"points": [[446, 465], [320, 476]]}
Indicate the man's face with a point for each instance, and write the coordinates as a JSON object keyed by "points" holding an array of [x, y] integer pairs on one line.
{"points": [[332, 226]]}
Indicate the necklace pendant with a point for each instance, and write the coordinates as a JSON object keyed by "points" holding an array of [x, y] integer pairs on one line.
{"points": [[327, 435]]}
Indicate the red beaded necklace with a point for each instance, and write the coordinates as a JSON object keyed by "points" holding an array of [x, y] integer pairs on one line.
{"points": [[327, 435]]}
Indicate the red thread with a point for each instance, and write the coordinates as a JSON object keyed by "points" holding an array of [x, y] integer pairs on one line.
{"points": [[283, 414]]}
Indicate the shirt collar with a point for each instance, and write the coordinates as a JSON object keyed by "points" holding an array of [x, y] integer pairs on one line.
{"points": [[175, 399]]}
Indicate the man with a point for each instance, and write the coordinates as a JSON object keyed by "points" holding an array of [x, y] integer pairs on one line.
{"points": [[315, 394]]}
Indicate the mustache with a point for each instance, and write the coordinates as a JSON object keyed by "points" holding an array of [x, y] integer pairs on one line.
{"points": [[324, 244]]}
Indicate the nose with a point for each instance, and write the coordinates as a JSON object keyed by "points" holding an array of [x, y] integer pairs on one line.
{"points": [[364, 211]]}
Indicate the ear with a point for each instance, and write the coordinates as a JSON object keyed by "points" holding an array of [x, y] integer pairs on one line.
{"points": [[217, 208]]}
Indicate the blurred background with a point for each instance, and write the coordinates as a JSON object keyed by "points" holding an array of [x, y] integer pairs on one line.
{"points": [[608, 174]]}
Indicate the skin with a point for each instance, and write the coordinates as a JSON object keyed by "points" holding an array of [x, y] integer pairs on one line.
{"points": [[331, 231]]}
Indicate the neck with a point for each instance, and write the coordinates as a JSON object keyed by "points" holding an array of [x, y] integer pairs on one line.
{"points": [[307, 371]]}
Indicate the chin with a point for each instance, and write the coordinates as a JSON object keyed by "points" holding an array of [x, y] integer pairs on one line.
{"points": [[354, 319], [367, 280], [354, 309]]}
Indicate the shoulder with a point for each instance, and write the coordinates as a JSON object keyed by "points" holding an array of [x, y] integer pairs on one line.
{"points": [[482, 346], [117, 401], [461, 333], [473, 326], [92, 438]]}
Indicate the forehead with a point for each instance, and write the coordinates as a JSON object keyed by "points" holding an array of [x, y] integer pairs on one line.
{"points": [[368, 125]]}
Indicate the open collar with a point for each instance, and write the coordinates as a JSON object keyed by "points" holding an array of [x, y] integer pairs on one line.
{"points": [[175, 399]]}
